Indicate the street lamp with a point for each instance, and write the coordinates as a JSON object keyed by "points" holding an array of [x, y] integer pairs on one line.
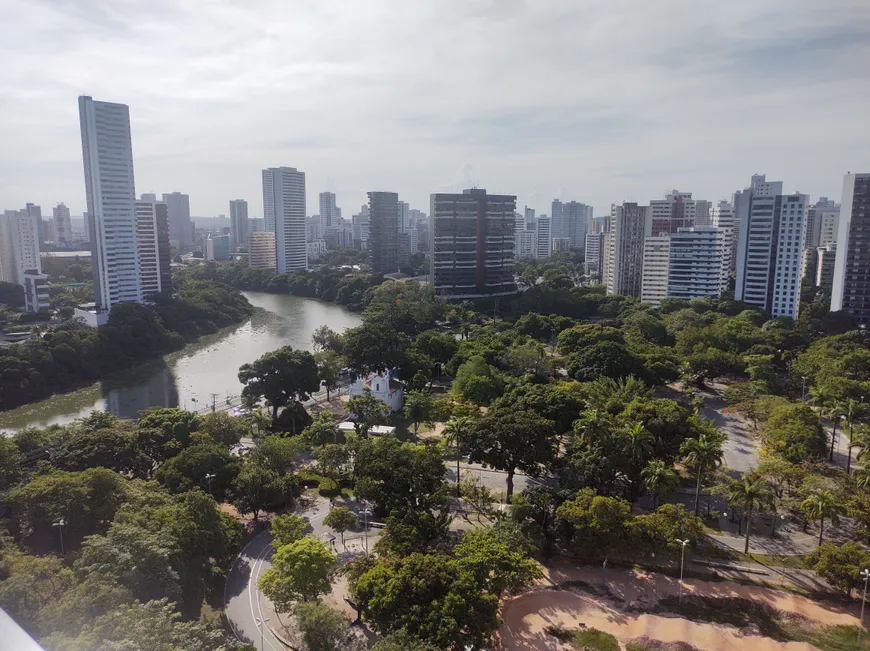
{"points": [[803, 387], [60, 524], [866, 574], [682, 562], [209, 477], [366, 513], [261, 624]]}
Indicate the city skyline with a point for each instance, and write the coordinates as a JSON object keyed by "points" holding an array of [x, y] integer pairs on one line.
{"points": [[208, 121]]}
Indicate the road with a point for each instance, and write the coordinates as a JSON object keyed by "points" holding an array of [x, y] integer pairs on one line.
{"points": [[741, 449]]}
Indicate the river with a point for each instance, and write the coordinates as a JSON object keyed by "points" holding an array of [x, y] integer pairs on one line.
{"points": [[189, 377]]}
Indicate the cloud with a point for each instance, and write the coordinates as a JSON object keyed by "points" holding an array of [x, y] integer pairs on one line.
{"points": [[599, 101]]}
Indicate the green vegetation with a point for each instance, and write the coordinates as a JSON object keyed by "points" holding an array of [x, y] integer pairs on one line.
{"points": [[588, 638], [71, 354]]}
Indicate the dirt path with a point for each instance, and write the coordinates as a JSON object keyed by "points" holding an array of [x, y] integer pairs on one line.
{"points": [[527, 617]]}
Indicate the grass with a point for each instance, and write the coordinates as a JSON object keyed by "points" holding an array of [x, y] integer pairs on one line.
{"points": [[590, 638], [768, 621]]}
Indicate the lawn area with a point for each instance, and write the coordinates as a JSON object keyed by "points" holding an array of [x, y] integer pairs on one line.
{"points": [[590, 638]]}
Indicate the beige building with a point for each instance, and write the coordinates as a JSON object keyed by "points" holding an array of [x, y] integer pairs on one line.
{"points": [[262, 250]]}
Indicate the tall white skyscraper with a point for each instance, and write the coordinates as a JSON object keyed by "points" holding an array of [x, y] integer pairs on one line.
{"points": [[19, 246], [149, 251], [545, 239], [238, 222], [770, 255], [623, 254], [107, 153], [62, 225], [284, 212], [180, 226], [722, 217]]}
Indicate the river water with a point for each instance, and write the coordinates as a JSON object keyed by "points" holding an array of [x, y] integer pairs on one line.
{"points": [[189, 377]]}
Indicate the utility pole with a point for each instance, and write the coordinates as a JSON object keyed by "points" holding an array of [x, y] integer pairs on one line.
{"points": [[214, 402], [682, 562]]}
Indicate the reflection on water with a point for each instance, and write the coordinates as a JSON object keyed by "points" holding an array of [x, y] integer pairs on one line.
{"points": [[200, 373]]}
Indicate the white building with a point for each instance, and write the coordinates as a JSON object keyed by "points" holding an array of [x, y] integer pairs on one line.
{"points": [[284, 212], [384, 387], [149, 251], [107, 153], [770, 252], [361, 228], [722, 217], [329, 212], [239, 230], [624, 254], [316, 249], [526, 244], [35, 291], [698, 263], [656, 262], [19, 246], [677, 210], [562, 244], [180, 226], [759, 186], [575, 220], [62, 225], [592, 259], [544, 241], [261, 250]]}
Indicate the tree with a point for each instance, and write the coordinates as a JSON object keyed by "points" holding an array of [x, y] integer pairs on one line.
{"points": [[257, 488], [852, 410], [278, 453], [822, 504], [703, 454], [477, 496], [457, 430], [497, 564], [750, 493], [323, 430], [509, 440], [326, 339], [418, 408], [281, 377], [638, 444], [600, 526], [659, 480], [115, 448], [606, 358], [340, 519], [190, 469], [429, 597], [164, 432], [839, 564], [368, 411], [402, 641], [300, 571], [222, 428], [10, 462], [332, 459], [288, 528], [660, 530], [613, 395], [477, 381], [329, 365], [322, 628], [374, 346]]}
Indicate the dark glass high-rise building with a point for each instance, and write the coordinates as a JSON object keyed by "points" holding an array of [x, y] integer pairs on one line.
{"points": [[851, 286], [384, 231]]}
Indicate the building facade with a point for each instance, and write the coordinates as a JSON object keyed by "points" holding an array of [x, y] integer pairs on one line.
{"points": [[19, 254], [329, 212], [850, 290], [592, 258], [722, 217], [770, 255], [697, 263], [575, 222], [62, 225], [107, 154], [656, 262], [261, 250], [284, 214], [149, 248], [628, 226], [384, 231], [556, 218], [544, 239], [180, 226], [218, 248], [472, 240], [239, 230]]}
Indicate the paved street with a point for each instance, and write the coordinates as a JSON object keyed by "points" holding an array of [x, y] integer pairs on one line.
{"points": [[741, 449]]}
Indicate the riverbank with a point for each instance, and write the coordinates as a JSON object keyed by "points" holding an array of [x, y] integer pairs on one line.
{"points": [[188, 377]]}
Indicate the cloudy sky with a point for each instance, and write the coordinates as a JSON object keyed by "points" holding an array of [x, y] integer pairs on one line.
{"points": [[595, 100]]}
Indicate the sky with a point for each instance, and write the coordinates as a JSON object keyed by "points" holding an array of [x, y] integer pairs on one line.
{"points": [[598, 101]]}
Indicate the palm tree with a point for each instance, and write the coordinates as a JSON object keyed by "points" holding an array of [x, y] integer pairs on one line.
{"points": [[749, 493], [820, 505], [851, 410], [702, 453], [834, 409], [659, 480], [591, 425], [862, 477], [456, 431], [639, 445], [605, 392]]}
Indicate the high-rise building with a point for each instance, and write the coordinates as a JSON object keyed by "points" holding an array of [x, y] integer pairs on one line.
{"points": [[218, 247], [19, 246], [677, 210], [656, 261], [592, 258], [624, 254], [526, 244], [404, 216], [149, 247], [850, 290], [329, 212], [722, 217], [544, 238], [107, 153], [284, 213], [826, 258], [759, 186], [472, 241], [529, 214], [361, 229], [691, 263], [384, 231], [261, 250], [575, 222], [180, 226], [825, 212], [556, 218], [770, 251], [561, 244], [62, 225], [239, 222]]}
